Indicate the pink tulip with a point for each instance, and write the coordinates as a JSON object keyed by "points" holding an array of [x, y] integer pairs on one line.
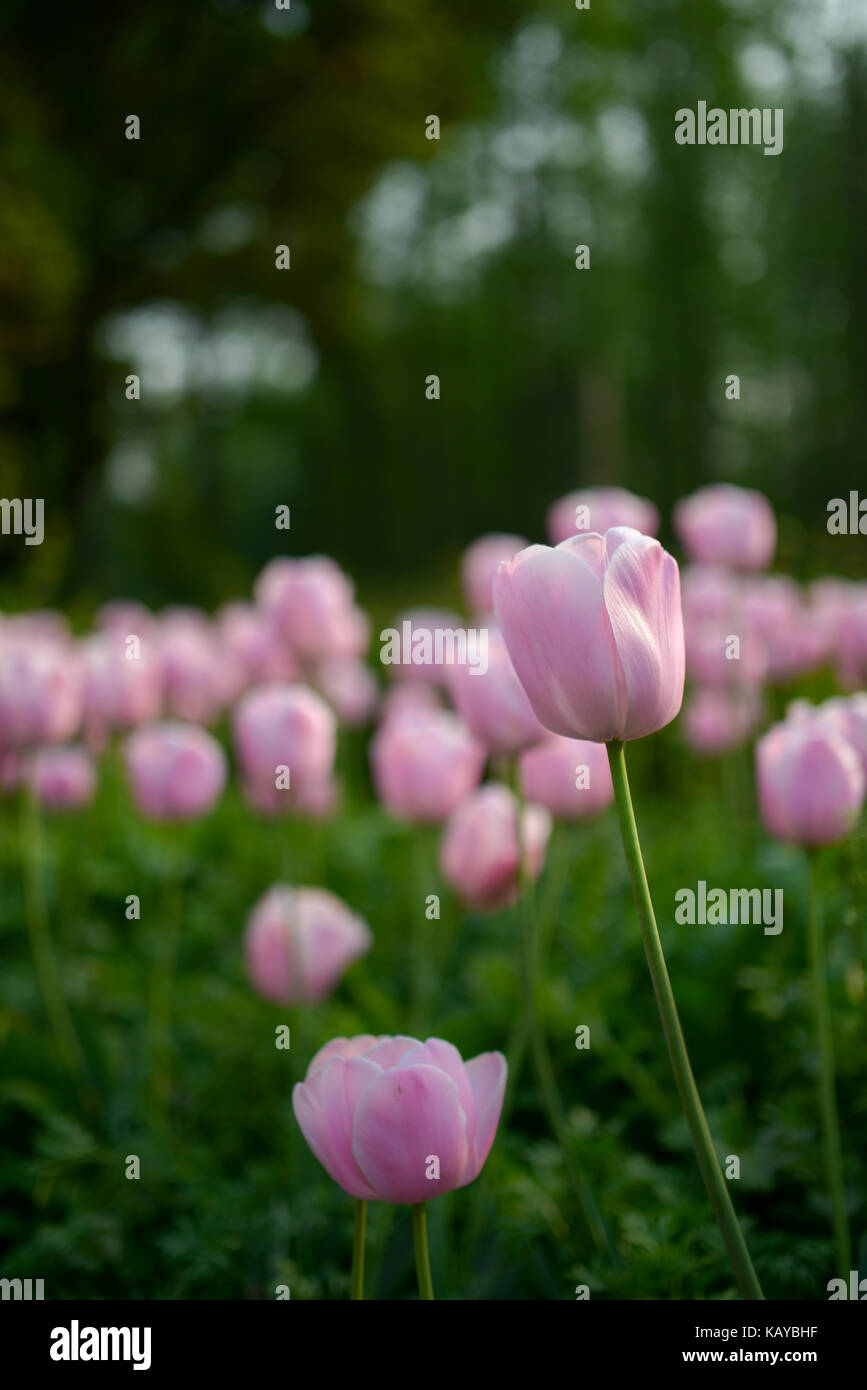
{"points": [[176, 771], [727, 525], [425, 624], [312, 602], [299, 942], [601, 509], [845, 716], [122, 682], [197, 679], [424, 763], [120, 618], [717, 719], [284, 727], [492, 702], [409, 697], [250, 638], [40, 690], [377, 1111], [479, 565], [479, 854], [794, 638], [595, 632], [810, 783], [350, 688], [64, 779], [851, 648], [570, 777]]}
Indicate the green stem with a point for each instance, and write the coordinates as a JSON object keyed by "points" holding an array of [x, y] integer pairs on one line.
{"points": [[42, 949], [680, 1064], [422, 1257], [358, 1249], [833, 1153], [533, 1033], [166, 935]]}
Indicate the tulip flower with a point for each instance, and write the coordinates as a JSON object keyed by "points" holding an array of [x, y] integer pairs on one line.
{"points": [[424, 762], [253, 644], [312, 602], [568, 776], [197, 678], [492, 703], [810, 783], [64, 778], [727, 525], [299, 942], [717, 719], [479, 565], [350, 688], [482, 845], [40, 690], [285, 740], [811, 786], [595, 633], [176, 771], [600, 509], [397, 1120], [122, 683]]}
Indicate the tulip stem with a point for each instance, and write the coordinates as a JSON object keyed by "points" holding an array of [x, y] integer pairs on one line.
{"points": [[680, 1064], [422, 1256], [552, 1105], [358, 1249], [833, 1153], [42, 949]]}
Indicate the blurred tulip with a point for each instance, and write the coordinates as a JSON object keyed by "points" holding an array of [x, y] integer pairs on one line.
{"points": [[425, 626], [810, 783], [851, 651], [254, 645], [408, 697], [299, 942], [727, 525], [424, 763], [197, 679], [479, 854], [570, 777], [122, 683], [63, 778], [375, 1110], [40, 690], [492, 702], [312, 602], [284, 726], [716, 719], [176, 771], [350, 688], [602, 509], [595, 632], [479, 565]]}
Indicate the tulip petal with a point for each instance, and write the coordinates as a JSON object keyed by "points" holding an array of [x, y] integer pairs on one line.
{"points": [[324, 1105], [487, 1077], [404, 1118], [550, 607], [642, 596]]}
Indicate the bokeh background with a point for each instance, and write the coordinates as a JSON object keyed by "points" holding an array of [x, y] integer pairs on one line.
{"points": [[306, 388], [306, 127]]}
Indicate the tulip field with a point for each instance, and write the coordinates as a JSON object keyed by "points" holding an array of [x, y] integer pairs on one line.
{"points": [[508, 949]]}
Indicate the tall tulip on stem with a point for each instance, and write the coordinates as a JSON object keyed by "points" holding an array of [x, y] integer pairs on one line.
{"points": [[595, 631], [811, 787]]}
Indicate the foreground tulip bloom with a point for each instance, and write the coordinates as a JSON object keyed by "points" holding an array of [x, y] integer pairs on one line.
{"points": [[810, 783], [424, 762], [374, 1110], [568, 776], [727, 525], [176, 771], [482, 846], [479, 565], [600, 509], [64, 779], [595, 630], [299, 942], [595, 633]]}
